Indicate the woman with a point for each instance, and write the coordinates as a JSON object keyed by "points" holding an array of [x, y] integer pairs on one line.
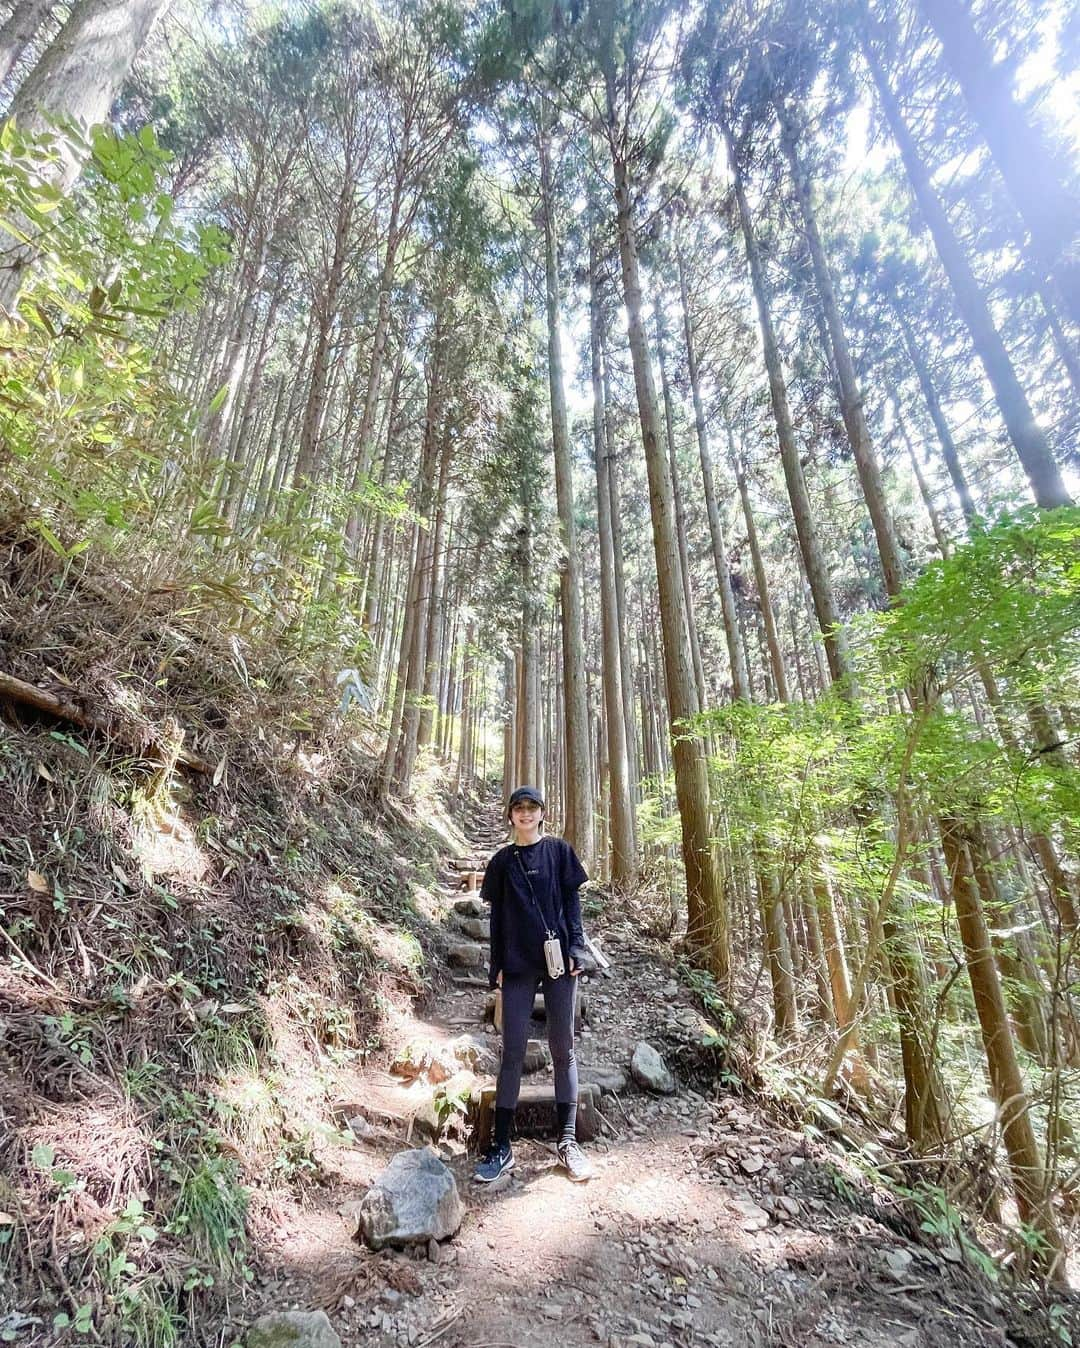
{"points": [[532, 885]]}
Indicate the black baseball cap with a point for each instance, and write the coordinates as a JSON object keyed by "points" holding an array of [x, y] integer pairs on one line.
{"points": [[523, 793]]}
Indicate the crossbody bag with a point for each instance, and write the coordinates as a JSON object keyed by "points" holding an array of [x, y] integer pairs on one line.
{"points": [[553, 956]]}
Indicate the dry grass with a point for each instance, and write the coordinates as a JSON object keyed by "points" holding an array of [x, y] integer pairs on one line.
{"points": [[186, 960]]}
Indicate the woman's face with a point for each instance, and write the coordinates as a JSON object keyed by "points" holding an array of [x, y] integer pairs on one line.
{"points": [[526, 815]]}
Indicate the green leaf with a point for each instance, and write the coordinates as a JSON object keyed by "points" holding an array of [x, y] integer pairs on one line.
{"points": [[43, 1156], [217, 402]]}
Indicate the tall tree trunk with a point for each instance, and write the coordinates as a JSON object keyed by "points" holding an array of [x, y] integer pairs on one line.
{"points": [[680, 517], [706, 902], [364, 439], [325, 310], [940, 536], [740, 684], [1006, 1083], [625, 653], [624, 859], [817, 572], [851, 398], [19, 29], [77, 77], [772, 638], [1035, 181], [1028, 439], [933, 405], [579, 804]]}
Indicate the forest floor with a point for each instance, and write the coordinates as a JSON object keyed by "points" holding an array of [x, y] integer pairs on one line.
{"points": [[708, 1220]]}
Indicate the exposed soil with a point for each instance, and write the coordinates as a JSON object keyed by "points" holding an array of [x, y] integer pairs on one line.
{"points": [[706, 1221]]}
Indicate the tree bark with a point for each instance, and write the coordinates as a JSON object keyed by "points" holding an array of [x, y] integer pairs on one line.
{"points": [[1028, 439], [624, 859], [740, 683], [851, 398], [77, 77], [817, 573], [708, 930], [19, 29], [1034, 180], [578, 827], [772, 637], [1006, 1083]]}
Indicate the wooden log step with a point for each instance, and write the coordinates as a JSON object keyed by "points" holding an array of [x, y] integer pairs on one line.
{"points": [[468, 980], [536, 1115], [580, 1009]]}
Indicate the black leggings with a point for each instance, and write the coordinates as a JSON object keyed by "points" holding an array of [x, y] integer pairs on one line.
{"points": [[518, 992]]}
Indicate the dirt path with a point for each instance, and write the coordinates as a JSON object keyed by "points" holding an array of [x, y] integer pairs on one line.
{"points": [[706, 1223]]}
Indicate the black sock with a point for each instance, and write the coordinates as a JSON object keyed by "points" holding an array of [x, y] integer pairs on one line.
{"points": [[503, 1119], [566, 1116]]}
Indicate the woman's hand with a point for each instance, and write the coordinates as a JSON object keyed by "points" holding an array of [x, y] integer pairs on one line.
{"points": [[575, 968], [498, 979]]}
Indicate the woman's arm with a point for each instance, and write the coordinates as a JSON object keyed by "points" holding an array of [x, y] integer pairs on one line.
{"points": [[491, 892], [573, 877]]}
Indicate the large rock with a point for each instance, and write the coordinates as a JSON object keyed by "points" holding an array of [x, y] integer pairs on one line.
{"points": [[292, 1329], [467, 956], [650, 1071], [478, 928], [414, 1199], [469, 907]]}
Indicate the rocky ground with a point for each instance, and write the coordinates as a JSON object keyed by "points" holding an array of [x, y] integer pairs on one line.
{"points": [[707, 1222]]}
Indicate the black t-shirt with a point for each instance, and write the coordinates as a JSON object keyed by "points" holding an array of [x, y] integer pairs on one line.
{"points": [[518, 929]]}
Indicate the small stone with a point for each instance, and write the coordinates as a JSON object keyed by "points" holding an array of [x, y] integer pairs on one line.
{"points": [[751, 1163], [649, 1070], [292, 1329], [434, 1251], [753, 1218], [552, 1310]]}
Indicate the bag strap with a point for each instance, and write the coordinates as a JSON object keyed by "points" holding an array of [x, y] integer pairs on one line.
{"points": [[550, 927]]}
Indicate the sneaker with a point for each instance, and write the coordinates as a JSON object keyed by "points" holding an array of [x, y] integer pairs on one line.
{"points": [[493, 1163], [574, 1162]]}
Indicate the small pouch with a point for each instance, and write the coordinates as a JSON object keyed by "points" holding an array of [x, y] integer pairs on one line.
{"points": [[553, 957], [584, 959]]}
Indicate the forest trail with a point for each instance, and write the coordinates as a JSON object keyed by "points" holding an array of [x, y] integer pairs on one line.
{"points": [[707, 1222]]}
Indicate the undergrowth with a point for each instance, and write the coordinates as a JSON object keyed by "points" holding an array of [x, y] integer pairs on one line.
{"points": [[188, 957]]}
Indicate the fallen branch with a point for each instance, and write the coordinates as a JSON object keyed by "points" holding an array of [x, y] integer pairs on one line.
{"points": [[28, 695]]}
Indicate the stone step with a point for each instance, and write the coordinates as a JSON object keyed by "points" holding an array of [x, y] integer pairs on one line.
{"points": [[469, 907], [536, 1115], [609, 1080], [581, 1009], [537, 1056], [477, 928], [467, 955]]}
